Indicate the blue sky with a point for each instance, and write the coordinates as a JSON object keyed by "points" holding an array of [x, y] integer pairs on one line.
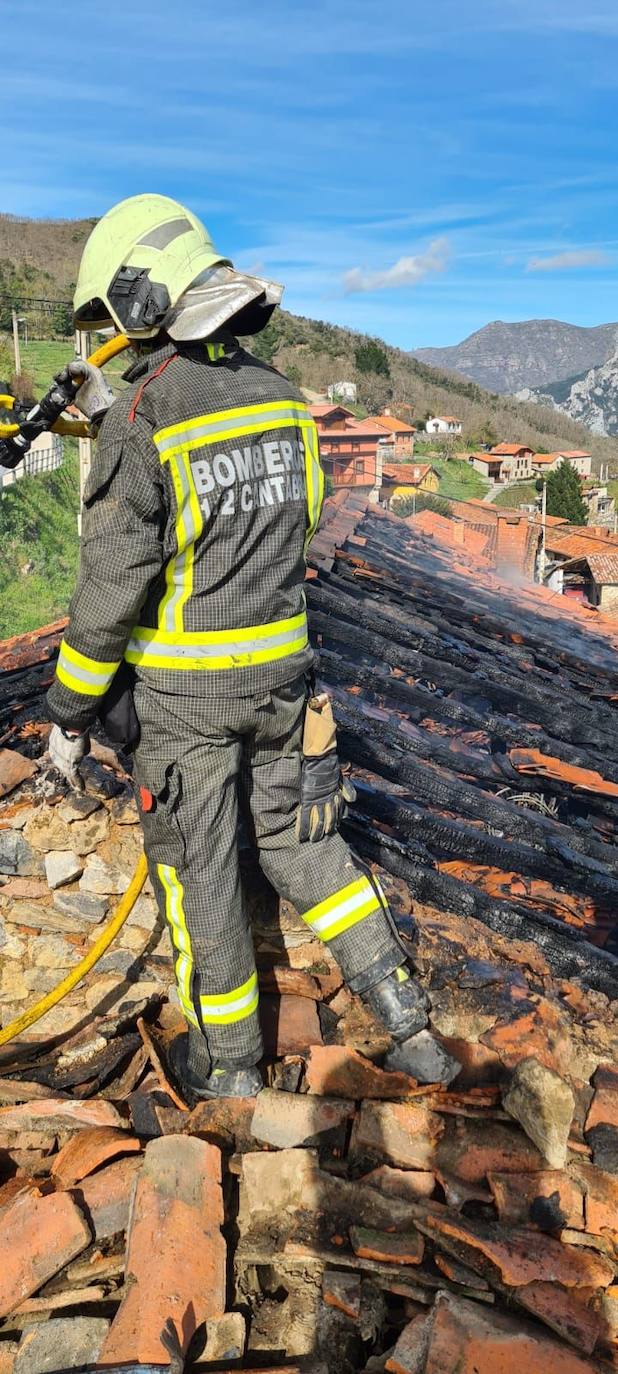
{"points": [[410, 170]]}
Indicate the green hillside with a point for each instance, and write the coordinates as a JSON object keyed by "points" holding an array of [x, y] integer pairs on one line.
{"points": [[315, 354], [38, 538], [38, 547]]}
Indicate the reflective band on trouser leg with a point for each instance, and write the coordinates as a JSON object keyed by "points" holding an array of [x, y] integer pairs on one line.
{"points": [[344, 909], [215, 350], [88, 676], [222, 1009], [175, 916], [242, 648]]}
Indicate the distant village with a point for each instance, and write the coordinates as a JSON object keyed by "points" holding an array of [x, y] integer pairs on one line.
{"points": [[380, 454]]}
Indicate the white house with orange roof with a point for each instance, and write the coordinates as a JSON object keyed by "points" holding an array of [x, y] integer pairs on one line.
{"points": [[443, 424], [578, 458]]}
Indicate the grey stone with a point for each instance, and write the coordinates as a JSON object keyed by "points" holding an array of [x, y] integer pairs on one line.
{"points": [[101, 877], [62, 866], [117, 961], [286, 1119], [40, 918], [17, 856], [78, 807], [61, 1343], [86, 835], [46, 830], [52, 951], [424, 1058], [83, 906], [41, 979], [543, 1104]]}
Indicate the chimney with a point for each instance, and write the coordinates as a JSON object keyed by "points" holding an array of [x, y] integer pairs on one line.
{"points": [[516, 545]]}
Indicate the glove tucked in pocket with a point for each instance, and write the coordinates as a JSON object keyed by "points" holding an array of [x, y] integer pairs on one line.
{"points": [[117, 712], [324, 792]]}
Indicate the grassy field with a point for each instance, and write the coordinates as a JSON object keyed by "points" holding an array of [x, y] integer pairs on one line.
{"points": [[42, 358], [524, 494], [458, 480], [38, 547]]}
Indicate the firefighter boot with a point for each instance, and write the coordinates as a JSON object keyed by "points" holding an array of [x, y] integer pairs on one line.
{"points": [[200, 1080], [399, 1003]]}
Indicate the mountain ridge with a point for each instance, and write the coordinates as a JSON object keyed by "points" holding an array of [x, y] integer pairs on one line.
{"points": [[45, 254], [507, 357]]}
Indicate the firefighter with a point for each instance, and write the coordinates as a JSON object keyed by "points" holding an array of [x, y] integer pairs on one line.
{"points": [[188, 623]]}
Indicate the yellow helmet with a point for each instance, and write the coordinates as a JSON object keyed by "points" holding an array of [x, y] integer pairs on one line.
{"points": [[138, 261]]}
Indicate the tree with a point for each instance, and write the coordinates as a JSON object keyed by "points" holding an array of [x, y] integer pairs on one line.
{"points": [[369, 357], [564, 495], [374, 393]]}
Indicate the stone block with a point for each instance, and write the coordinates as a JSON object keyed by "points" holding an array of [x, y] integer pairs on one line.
{"points": [[543, 1104], [61, 866]]}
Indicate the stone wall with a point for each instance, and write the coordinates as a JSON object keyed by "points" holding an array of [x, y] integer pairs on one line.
{"points": [[62, 869]]}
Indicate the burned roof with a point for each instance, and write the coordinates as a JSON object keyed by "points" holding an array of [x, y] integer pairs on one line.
{"points": [[388, 1217]]}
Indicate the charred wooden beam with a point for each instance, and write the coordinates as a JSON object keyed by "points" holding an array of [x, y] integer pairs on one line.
{"points": [[375, 643], [568, 953], [376, 746], [417, 701], [448, 839]]}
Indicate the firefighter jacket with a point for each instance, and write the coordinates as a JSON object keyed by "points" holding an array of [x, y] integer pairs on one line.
{"points": [[205, 488]]}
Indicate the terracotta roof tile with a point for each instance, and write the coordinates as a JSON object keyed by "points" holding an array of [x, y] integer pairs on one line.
{"points": [[406, 474], [393, 423], [509, 450]]}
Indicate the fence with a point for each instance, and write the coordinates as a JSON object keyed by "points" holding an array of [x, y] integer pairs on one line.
{"points": [[45, 455]]}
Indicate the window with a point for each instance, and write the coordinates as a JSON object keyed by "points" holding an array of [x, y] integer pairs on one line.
{"points": [[355, 448], [359, 467]]}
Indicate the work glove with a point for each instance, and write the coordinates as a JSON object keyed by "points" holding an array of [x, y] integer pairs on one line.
{"points": [[66, 753], [94, 395], [324, 792]]}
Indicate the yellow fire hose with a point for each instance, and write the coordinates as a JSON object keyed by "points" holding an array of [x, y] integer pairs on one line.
{"points": [[28, 1018], [51, 999]]}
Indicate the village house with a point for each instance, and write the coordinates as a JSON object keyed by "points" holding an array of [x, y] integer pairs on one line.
{"points": [[401, 431], [600, 505], [404, 479], [593, 577], [343, 391], [517, 461], [443, 424], [494, 469], [351, 450], [579, 459], [504, 463], [550, 462]]}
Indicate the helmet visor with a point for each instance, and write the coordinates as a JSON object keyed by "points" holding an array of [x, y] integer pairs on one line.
{"points": [[93, 314]]}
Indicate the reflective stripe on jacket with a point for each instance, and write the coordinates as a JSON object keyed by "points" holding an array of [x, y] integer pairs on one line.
{"points": [[205, 489]]}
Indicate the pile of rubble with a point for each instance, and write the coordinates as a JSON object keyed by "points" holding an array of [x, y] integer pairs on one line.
{"points": [[353, 1217]]}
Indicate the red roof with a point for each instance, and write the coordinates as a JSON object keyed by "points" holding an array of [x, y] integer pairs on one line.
{"points": [[406, 474], [319, 411], [392, 423], [574, 453], [510, 450]]}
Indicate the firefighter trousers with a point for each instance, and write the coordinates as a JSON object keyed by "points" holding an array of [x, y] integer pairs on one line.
{"points": [[199, 758]]}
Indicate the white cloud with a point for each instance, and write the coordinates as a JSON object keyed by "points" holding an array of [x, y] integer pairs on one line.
{"points": [[569, 261], [406, 271]]}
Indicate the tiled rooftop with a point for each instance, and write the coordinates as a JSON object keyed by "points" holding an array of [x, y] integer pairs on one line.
{"points": [[470, 1226]]}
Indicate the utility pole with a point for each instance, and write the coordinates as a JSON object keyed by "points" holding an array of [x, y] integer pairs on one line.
{"points": [[82, 349], [16, 349]]}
